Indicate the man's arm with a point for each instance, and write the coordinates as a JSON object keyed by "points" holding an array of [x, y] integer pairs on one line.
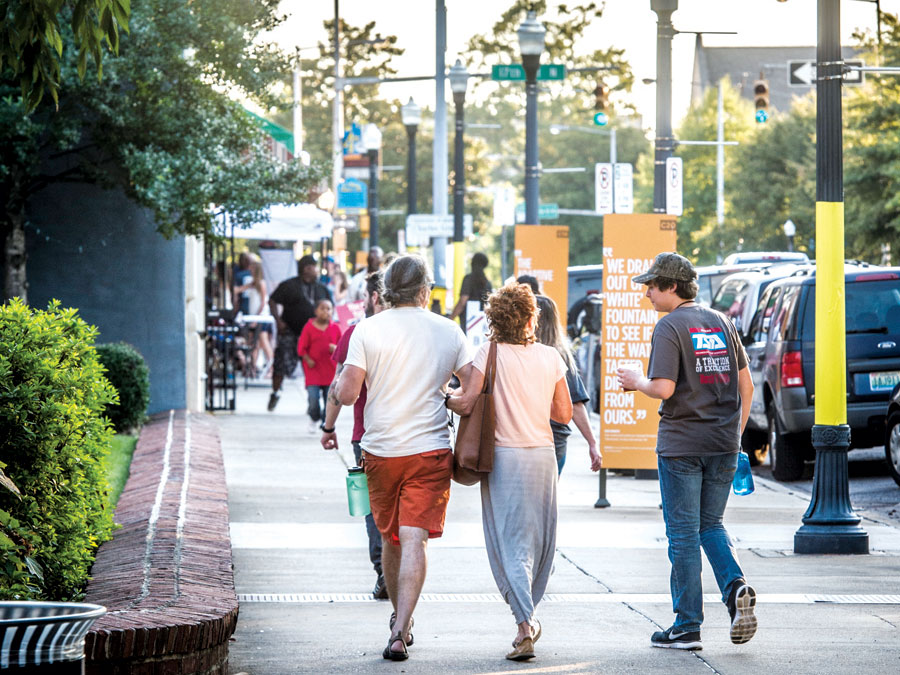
{"points": [[349, 385], [633, 379], [333, 407], [463, 399], [745, 388]]}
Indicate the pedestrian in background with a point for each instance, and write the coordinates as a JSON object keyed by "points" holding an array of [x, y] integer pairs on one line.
{"points": [[374, 304], [550, 333], [698, 368], [531, 282], [475, 286], [357, 289], [293, 304], [518, 497], [317, 343], [405, 355]]}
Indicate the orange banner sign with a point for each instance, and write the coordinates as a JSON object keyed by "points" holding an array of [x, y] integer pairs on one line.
{"points": [[543, 252], [629, 419]]}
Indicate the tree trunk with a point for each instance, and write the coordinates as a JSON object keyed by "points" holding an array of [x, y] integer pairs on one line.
{"points": [[15, 281]]}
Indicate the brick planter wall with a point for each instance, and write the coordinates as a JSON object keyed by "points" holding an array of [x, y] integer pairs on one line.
{"points": [[166, 577]]}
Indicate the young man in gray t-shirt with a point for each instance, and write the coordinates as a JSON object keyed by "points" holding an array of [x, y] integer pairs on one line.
{"points": [[698, 368]]}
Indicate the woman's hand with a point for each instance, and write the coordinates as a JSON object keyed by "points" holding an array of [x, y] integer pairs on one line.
{"points": [[331, 348], [596, 458], [308, 361]]}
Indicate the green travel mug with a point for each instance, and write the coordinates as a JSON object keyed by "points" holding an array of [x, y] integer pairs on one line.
{"points": [[358, 492]]}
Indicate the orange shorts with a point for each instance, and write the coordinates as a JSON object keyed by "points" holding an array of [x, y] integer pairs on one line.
{"points": [[410, 491]]}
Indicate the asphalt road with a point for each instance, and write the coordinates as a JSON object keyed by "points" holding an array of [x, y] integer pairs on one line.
{"points": [[873, 492]]}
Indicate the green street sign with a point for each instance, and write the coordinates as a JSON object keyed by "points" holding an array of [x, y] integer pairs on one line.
{"points": [[601, 119], [514, 72], [545, 211], [552, 71]]}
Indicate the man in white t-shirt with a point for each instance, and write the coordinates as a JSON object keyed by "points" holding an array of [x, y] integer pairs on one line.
{"points": [[406, 356]]}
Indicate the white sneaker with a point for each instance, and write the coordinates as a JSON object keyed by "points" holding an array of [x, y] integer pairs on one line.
{"points": [[313, 427]]}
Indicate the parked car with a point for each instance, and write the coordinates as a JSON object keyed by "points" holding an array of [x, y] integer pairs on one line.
{"points": [[710, 277], [781, 350], [584, 280], [738, 296], [892, 436], [765, 257]]}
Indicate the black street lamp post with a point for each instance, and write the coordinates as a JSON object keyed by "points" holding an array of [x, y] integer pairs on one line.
{"points": [[664, 140], [459, 79], [411, 114], [531, 43], [829, 524]]}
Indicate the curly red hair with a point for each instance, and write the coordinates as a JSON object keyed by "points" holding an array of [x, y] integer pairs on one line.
{"points": [[508, 310]]}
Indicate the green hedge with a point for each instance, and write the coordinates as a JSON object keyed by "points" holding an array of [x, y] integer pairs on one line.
{"points": [[127, 371], [53, 437]]}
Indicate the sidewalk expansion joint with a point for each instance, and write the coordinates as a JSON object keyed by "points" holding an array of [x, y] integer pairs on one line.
{"points": [[583, 598]]}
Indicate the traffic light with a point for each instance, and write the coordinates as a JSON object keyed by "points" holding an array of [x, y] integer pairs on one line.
{"points": [[761, 99], [601, 96]]}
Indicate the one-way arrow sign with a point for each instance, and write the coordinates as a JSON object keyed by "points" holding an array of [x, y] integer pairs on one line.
{"points": [[803, 73]]}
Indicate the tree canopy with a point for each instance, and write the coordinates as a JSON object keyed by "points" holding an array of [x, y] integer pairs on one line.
{"points": [[163, 124]]}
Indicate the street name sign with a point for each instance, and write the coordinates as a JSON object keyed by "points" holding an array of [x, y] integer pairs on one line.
{"points": [[552, 71], [545, 212], [515, 72], [674, 186], [803, 73], [624, 188], [421, 227], [603, 187]]}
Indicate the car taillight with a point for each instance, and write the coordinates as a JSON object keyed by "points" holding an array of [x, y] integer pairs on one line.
{"points": [[792, 369]]}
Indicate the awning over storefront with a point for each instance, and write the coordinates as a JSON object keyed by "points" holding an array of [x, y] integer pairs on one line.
{"points": [[290, 222]]}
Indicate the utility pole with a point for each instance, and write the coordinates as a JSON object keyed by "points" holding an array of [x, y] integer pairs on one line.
{"points": [[439, 159], [664, 34], [720, 172], [337, 112]]}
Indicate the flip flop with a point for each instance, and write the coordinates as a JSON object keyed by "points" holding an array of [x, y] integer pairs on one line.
{"points": [[537, 631], [412, 622], [398, 655], [522, 650]]}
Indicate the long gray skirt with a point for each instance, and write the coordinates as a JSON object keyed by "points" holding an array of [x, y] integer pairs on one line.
{"points": [[518, 511]]}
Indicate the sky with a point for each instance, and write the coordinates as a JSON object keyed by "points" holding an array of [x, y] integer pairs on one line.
{"points": [[627, 24]]}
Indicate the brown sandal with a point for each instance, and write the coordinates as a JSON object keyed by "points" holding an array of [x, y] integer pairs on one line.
{"points": [[392, 655], [412, 622]]}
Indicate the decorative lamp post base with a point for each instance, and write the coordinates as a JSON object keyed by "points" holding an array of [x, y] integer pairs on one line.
{"points": [[830, 525]]}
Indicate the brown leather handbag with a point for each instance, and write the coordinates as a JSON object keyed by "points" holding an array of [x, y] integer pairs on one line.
{"points": [[473, 456]]}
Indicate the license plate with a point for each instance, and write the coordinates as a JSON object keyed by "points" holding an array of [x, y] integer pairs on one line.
{"points": [[884, 381]]}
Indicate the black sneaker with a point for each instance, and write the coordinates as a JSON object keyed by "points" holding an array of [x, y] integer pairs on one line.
{"points": [[380, 590], [273, 401], [676, 639], [741, 602]]}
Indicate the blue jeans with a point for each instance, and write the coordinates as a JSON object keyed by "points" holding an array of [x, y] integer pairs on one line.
{"points": [[315, 399], [694, 494]]}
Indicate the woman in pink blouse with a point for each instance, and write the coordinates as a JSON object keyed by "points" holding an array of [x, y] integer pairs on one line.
{"points": [[518, 498]]}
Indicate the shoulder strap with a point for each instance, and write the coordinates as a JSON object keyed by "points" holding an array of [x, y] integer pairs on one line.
{"points": [[490, 370]]}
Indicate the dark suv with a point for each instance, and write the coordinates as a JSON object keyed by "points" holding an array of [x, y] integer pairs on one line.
{"points": [[781, 349]]}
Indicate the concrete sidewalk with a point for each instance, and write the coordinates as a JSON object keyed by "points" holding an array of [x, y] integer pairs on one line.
{"points": [[304, 579]]}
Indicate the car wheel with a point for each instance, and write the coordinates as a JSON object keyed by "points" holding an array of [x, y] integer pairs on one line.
{"points": [[892, 446], [787, 456], [754, 443]]}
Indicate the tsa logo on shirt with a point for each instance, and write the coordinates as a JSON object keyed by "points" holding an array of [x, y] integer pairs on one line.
{"points": [[708, 341]]}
